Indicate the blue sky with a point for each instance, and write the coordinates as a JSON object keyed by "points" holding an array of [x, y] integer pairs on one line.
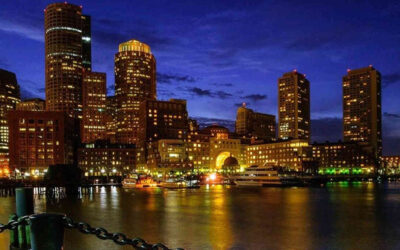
{"points": [[218, 54]]}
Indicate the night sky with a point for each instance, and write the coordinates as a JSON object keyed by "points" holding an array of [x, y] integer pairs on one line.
{"points": [[218, 54]]}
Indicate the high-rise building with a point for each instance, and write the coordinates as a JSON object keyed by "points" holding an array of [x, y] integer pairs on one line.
{"points": [[9, 98], [39, 139], [34, 104], [86, 43], [362, 117], [252, 124], [135, 82], [63, 58], [294, 106], [111, 118], [93, 125]]}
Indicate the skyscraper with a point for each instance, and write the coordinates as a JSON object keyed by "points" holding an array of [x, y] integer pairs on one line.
{"points": [[135, 82], [9, 98], [253, 124], [362, 118], [63, 57], [86, 43], [294, 106], [93, 125]]}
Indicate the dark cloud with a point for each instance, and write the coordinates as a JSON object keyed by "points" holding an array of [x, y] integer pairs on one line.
{"points": [[208, 93], [41, 90], [205, 121], [171, 78], [390, 79], [390, 115], [240, 104], [256, 97], [222, 84]]}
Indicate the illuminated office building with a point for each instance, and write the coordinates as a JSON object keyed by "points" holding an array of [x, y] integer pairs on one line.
{"points": [[391, 164], [252, 124], [86, 43], [161, 120], [106, 159], [9, 98], [362, 118], [343, 158], [291, 154], [63, 57], [294, 106], [135, 82], [111, 118], [34, 104], [39, 139], [93, 125]]}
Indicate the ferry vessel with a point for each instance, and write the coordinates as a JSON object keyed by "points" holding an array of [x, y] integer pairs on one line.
{"points": [[266, 176]]}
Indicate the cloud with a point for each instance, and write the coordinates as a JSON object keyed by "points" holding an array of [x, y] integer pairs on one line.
{"points": [[206, 121], [222, 84], [208, 93], [240, 104], [390, 115], [170, 78], [390, 79], [255, 97]]}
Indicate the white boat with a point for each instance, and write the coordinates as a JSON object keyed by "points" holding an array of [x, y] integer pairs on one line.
{"points": [[129, 183], [175, 183], [265, 176]]}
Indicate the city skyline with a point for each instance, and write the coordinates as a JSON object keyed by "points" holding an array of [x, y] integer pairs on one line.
{"points": [[202, 92]]}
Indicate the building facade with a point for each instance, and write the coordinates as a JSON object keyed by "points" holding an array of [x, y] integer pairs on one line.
{"points": [[34, 104], [111, 118], [93, 124], [9, 99], [135, 82], [362, 115], [252, 124], [294, 106], [63, 58], [343, 158], [391, 164], [291, 154], [39, 139], [103, 158], [86, 43]]}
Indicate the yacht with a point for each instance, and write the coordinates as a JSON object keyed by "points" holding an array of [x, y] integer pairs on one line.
{"points": [[179, 183], [266, 176]]}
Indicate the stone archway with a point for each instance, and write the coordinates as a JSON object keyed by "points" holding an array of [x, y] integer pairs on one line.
{"points": [[220, 159]]}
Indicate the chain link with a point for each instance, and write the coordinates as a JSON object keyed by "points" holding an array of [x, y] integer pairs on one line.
{"points": [[85, 228], [13, 224], [117, 238]]}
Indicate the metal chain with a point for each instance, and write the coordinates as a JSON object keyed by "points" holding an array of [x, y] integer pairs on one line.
{"points": [[13, 224], [118, 238]]}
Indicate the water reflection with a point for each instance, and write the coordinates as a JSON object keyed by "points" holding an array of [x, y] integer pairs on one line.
{"points": [[340, 216]]}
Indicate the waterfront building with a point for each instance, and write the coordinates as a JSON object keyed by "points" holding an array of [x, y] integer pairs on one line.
{"points": [[293, 154], [362, 117], [34, 104], [39, 139], [103, 158], [161, 120], [135, 82], [343, 158], [391, 164], [86, 43], [252, 124], [210, 147], [93, 124], [111, 118], [9, 98], [168, 155], [63, 57], [294, 106]]}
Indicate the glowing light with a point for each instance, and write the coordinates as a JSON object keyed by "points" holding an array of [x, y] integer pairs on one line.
{"points": [[212, 177]]}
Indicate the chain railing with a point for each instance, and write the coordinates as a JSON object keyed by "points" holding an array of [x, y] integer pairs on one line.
{"points": [[38, 230]]}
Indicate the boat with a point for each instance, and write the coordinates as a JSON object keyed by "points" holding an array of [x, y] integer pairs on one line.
{"points": [[173, 183], [146, 182], [129, 183], [266, 176]]}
